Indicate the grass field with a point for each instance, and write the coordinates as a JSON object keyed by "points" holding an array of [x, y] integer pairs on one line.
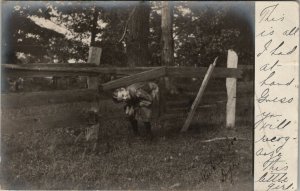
{"points": [[39, 152]]}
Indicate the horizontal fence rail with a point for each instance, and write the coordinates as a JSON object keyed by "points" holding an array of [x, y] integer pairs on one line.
{"points": [[143, 76], [57, 65], [44, 70], [11, 70], [200, 71], [30, 99]]}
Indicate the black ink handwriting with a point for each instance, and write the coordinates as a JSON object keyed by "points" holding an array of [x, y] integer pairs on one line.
{"points": [[265, 97], [265, 33], [291, 32], [276, 51], [267, 14], [273, 186], [266, 46], [269, 82]]}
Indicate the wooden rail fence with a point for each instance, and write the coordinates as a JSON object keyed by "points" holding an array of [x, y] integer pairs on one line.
{"points": [[127, 76]]}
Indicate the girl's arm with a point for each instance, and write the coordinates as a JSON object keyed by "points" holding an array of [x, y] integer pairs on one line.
{"points": [[143, 95]]}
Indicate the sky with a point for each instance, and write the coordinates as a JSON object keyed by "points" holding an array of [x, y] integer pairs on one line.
{"points": [[53, 25]]}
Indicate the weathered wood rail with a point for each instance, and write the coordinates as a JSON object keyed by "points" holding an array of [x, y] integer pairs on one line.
{"points": [[43, 70], [28, 99]]}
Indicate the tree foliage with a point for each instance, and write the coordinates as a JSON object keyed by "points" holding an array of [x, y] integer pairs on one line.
{"points": [[201, 31]]}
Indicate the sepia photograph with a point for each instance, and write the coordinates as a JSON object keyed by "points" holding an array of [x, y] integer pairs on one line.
{"points": [[127, 95]]}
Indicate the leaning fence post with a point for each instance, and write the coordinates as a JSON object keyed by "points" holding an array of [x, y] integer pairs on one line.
{"points": [[94, 57], [199, 96], [232, 61]]}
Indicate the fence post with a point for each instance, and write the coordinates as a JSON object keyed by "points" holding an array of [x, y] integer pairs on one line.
{"points": [[199, 96], [94, 57], [232, 61], [162, 96]]}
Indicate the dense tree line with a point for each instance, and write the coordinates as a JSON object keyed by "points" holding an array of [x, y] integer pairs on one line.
{"points": [[200, 30]]}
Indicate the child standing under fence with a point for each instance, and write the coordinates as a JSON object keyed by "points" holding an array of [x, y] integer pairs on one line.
{"points": [[140, 99]]}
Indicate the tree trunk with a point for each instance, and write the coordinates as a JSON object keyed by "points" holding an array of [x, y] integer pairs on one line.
{"points": [[94, 27], [137, 36], [167, 56], [167, 34], [94, 53]]}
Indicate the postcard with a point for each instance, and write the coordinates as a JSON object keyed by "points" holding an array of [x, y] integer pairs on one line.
{"points": [[149, 95]]}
